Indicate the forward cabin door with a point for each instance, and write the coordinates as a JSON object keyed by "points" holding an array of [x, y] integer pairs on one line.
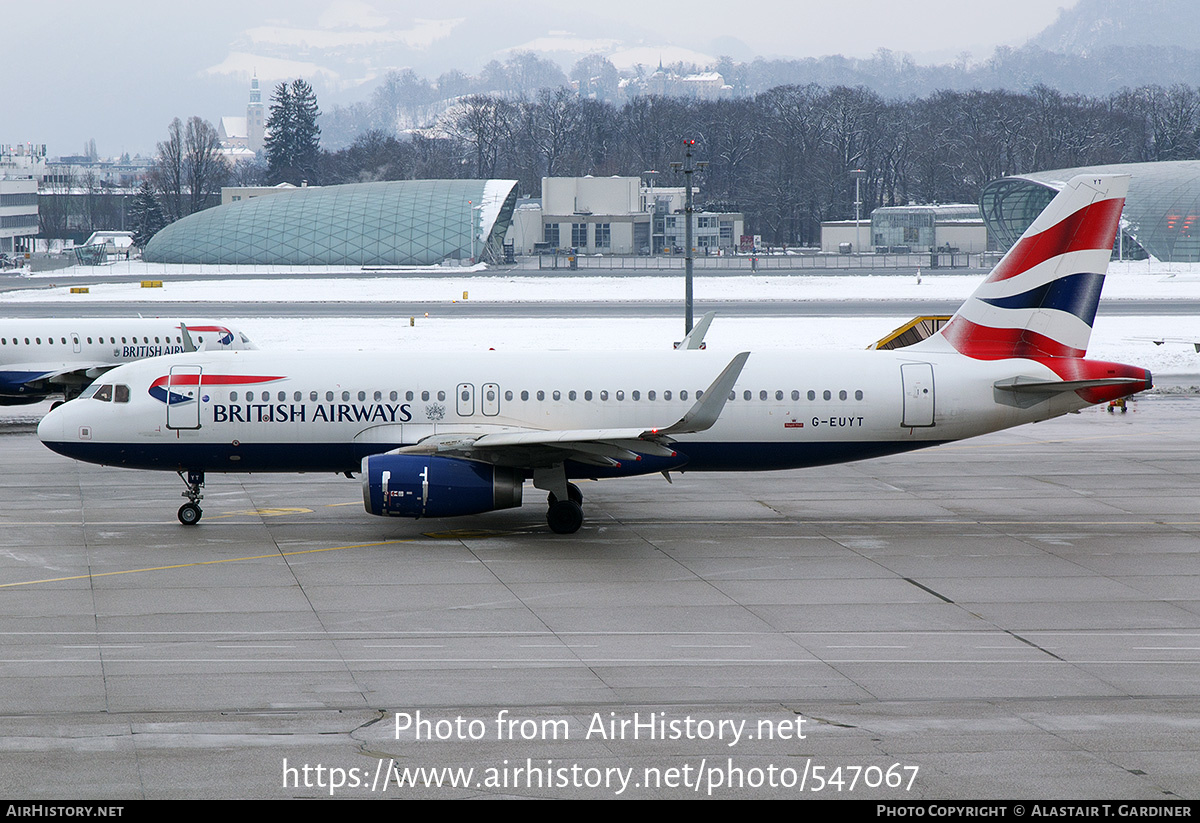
{"points": [[183, 397]]}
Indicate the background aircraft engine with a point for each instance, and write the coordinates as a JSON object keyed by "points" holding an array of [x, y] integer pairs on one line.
{"points": [[411, 485]]}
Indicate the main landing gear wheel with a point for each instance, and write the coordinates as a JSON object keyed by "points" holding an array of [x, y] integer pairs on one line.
{"points": [[565, 516], [573, 493], [189, 514]]}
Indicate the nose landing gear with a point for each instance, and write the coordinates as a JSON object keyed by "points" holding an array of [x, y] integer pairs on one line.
{"points": [[190, 512]]}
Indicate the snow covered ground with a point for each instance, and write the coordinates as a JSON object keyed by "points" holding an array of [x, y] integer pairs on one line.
{"points": [[1125, 339], [1126, 281]]}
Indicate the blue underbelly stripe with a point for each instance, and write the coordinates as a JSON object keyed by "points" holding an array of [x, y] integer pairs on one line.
{"points": [[342, 457]]}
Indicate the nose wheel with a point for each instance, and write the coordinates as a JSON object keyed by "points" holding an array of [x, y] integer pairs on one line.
{"points": [[190, 512]]}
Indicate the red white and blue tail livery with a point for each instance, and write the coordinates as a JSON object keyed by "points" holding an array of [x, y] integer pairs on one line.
{"points": [[1041, 300], [438, 435]]}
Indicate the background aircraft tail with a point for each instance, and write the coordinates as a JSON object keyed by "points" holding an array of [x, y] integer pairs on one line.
{"points": [[1040, 301]]}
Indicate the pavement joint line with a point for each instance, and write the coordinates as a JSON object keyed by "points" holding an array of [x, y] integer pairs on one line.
{"points": [[200, 563]]}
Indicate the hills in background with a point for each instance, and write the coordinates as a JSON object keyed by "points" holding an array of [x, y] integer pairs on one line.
{"points": [[1099, 24], [1094, 48], [351, 49]]}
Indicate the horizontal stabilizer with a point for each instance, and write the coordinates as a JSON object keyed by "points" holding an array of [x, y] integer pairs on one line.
{"points": [[1034, 385]]}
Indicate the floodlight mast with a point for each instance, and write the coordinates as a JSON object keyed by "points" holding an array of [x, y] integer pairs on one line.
{"points": [[687, 169], [858, 175]]}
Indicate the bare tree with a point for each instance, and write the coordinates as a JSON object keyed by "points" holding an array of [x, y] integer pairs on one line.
{"points": [[483, 124], [168, 172], [555, 127], [206, 170]]}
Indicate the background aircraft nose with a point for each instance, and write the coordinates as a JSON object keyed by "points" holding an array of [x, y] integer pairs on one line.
{"points": [[53, 426]]}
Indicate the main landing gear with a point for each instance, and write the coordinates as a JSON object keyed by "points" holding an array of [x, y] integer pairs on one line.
{"points": [[565, 514], [190, 512]]}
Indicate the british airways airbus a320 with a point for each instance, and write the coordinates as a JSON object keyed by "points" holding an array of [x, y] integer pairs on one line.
{"points": [[443, 435], [41, 358]]}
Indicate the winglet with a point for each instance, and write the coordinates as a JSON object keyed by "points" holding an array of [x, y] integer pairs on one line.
{"points": [[704, 413], [695, 338], [188, 345]]}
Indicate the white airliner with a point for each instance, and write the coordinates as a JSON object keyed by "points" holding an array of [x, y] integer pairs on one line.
{"points": [[454, 434], [41, 358]]}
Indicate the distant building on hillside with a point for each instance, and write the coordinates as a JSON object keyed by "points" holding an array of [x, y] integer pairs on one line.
{"points": [[705, 85]]}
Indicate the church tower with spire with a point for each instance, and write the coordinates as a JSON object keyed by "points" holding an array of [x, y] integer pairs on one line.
{"points": [[255, 117]]}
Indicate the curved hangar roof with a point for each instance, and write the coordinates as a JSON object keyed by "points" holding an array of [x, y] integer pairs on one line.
{"points": [[1162, 209], [400, 223]]}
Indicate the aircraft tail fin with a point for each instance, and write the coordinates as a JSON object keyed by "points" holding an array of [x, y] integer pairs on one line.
{"points": [[1041, 299]]}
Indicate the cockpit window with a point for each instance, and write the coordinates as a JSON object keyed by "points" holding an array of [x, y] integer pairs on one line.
{"points": [[120, 393], [88, 392], [104, 393]]}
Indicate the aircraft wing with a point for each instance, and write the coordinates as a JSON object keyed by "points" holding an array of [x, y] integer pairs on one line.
{"points": [[1159, 341], [531, 448], [33, 374]]}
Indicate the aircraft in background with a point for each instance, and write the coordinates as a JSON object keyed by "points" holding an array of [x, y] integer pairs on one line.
{"points": [[454, 434], [41, 358]]}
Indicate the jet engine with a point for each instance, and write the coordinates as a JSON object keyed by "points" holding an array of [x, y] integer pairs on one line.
{"points": [[417, 485]]}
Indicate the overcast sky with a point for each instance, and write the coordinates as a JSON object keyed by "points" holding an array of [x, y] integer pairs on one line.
{"points": [[120, 71]]}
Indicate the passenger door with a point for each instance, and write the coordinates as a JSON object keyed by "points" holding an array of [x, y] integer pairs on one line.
{"points": [[917, 379], [183, 397]]}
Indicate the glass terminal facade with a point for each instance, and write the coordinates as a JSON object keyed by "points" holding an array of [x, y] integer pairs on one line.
{"points": [[399, 223], [914, 228], [1162, 209]]}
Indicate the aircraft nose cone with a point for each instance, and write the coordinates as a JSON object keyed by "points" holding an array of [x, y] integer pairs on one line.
{"points": [[51, 427], [52, 431]]}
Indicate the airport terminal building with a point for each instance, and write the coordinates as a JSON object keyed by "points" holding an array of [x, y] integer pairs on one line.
{"points": [[398, 223], [1161, 217]]}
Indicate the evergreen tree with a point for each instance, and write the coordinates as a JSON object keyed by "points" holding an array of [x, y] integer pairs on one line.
{"points": [[278, 138], [145, 215], [293, 141], [306, 134]]}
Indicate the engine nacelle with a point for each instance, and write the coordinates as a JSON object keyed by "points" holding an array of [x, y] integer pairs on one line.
{"points": [[419, 485]]}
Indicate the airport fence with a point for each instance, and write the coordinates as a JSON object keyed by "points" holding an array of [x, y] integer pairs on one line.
{"points": [[744, 263]]}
